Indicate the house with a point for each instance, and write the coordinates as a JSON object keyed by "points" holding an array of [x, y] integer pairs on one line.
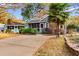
{"points": [[38, 20], [14, 25], [2, 27], [39, 23]]}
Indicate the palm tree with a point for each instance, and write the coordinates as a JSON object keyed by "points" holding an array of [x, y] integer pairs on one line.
{"points": [[58, 15]]}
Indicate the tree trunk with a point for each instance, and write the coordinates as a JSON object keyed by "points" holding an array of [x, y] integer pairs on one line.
{"points": [[65, 29], [57, 28]]}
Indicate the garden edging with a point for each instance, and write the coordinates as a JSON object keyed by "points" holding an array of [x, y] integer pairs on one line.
{"points": [[71, 47]]}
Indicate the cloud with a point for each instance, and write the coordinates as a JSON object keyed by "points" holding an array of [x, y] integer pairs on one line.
{"points": [[72, 9]]}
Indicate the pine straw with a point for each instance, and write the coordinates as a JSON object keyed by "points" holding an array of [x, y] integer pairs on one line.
{"points": [[54, 47], [7, 35]]}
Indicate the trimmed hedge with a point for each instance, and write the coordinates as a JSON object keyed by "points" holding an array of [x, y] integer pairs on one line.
{"points": [[28, 31]]}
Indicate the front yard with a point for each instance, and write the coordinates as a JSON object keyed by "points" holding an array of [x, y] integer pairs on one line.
{"points": [[54, 47], [7, 35]]}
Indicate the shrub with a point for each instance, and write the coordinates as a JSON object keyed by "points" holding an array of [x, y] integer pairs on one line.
{"points": [[72, 26], [8, 30], [28, 31]]}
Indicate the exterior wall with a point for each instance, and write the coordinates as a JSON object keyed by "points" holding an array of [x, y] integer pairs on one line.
{"points": [[15, 28], [45, 25], [2, 26], [27, 26], [40, 26], [52, 27]]}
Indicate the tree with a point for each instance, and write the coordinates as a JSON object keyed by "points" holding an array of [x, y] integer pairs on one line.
{"points": [[58, 15], [71, 27], [72, 23], [31, 9], [4, 15], [27, 11]]}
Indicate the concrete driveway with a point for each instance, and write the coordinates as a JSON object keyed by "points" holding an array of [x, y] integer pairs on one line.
{"points": [[23, 45]]}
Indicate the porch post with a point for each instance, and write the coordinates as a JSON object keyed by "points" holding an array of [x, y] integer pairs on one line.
{"points": [[47, 25], [5, 27], [40, 28], [14, 28], [17, 28]]}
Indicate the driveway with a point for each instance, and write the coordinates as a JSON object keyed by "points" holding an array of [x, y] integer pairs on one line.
{"points": [[23, 45]]}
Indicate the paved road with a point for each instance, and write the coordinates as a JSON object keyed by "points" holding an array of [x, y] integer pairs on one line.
{"points": [[23, 45]]}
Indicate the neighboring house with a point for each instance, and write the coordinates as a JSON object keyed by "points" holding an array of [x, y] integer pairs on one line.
{"points": [[15, 25], [15, 28], [2, 27]]}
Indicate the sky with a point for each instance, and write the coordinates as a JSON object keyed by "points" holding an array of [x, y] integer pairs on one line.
{"points": [[17, 12]]}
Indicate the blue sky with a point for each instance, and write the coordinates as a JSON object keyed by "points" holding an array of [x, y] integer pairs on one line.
{"points": [[17, 12]]}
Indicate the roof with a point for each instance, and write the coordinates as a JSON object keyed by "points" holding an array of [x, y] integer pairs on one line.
{"points": [[2, 24], [5, 17], [18, 21], [38, 20]]}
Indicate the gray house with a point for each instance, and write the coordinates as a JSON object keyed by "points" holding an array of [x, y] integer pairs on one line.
{"points": [[39, 23], [38, 18]]}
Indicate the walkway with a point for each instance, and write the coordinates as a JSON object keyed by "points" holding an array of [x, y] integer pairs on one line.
{"points": [[23, 45]]}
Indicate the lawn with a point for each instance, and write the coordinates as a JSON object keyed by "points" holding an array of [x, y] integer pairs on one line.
{"points": [[7, 35], [54, 47]]}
